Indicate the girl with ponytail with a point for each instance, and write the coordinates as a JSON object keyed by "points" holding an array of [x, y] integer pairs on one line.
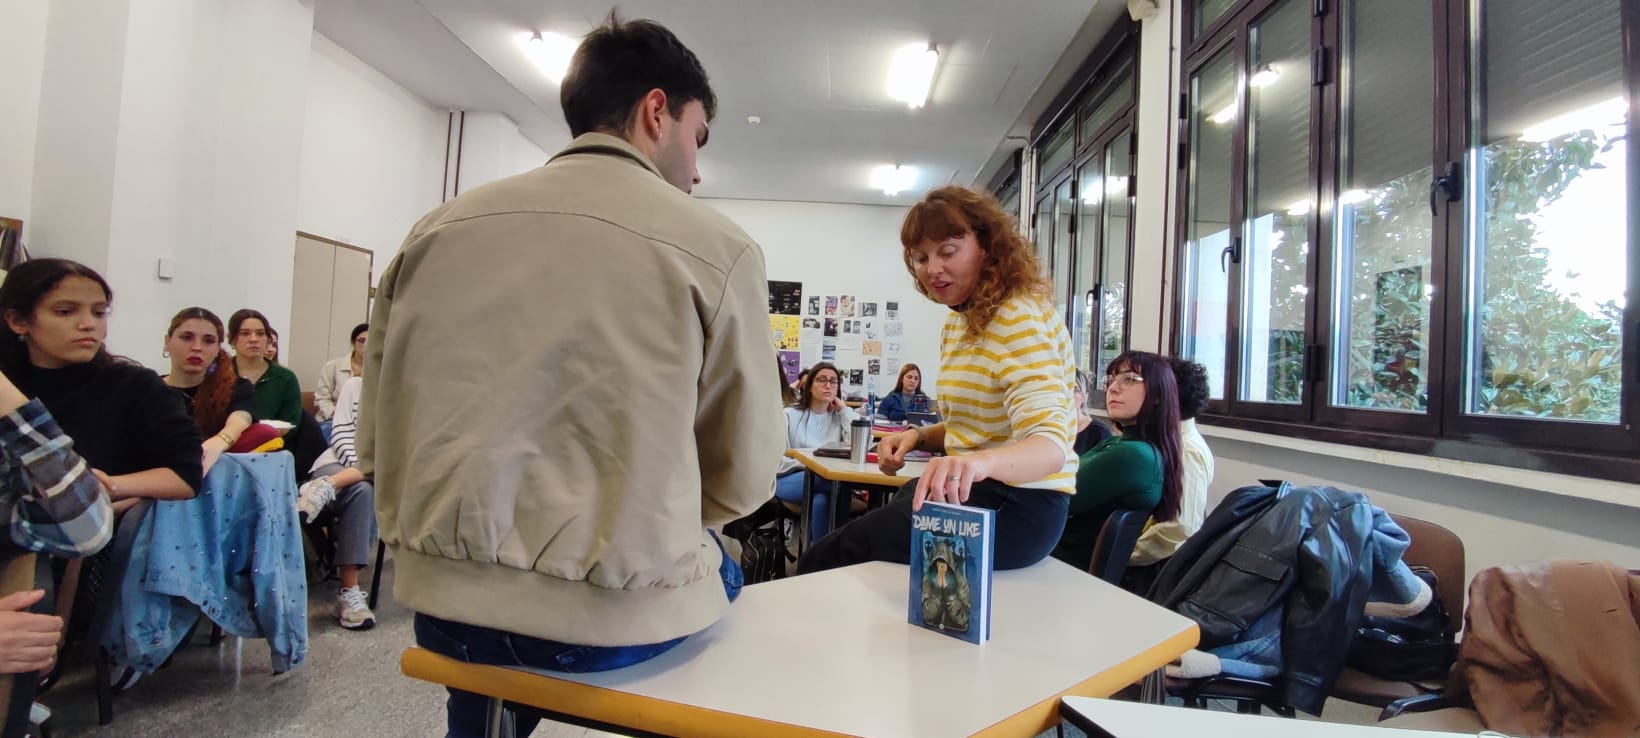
{"points": [[221, 403]]}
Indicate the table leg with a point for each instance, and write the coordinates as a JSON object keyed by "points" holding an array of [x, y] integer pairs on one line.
{"points": [[803, 516], [498, 723], [836, 494]]}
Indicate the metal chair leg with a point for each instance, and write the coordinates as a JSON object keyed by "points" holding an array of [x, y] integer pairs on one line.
{"points": [[105, 691], [376, 576], [499, 722]]}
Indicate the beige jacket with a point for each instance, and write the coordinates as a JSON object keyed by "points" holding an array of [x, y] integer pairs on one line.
{"points": [[569, 381], [1161, 540]]}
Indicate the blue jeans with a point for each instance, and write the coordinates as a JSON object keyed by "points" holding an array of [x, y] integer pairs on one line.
{"points": [[466, 712], [789, 488]]}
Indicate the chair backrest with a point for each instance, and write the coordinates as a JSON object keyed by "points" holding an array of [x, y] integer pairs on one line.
{"points": [[1442, 551], [1115, 545]]}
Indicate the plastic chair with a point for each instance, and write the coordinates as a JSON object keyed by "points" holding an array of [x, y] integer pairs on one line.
{"points": [[1114, 547]]}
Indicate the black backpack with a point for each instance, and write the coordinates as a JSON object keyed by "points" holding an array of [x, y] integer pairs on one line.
{"points": [[763, 553], [1409, 649]]}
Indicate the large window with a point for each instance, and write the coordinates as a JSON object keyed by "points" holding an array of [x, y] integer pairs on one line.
{"points": [[1084, 202], [1407, 223]]}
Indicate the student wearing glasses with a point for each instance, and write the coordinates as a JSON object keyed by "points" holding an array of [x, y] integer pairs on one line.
{"points": [[818, 418], [1137, 469]]}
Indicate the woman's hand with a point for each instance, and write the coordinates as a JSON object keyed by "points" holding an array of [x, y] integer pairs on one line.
{"points": [[213, 450], [120, 506], [891, 450], [836, 405], [948, 479], [28, 641]]}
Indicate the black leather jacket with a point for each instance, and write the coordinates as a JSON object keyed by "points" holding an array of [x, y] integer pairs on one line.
{"points": [[1275, 543]]}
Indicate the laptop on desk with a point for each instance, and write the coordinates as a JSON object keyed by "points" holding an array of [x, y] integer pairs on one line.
{"points": [[922, 418]]}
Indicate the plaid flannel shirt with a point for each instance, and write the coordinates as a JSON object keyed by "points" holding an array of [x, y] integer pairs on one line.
{"points": [[53, 502]]}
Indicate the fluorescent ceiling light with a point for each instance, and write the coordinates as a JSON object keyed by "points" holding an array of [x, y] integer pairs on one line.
{"points": [[1265, 76], [551, 52], [911, 73], [893, 179], [1352, 197], [1224, 114], [1299, 208], [1599, 115]]}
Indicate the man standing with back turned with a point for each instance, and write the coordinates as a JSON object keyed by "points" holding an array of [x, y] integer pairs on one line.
{"points": [[568, 382]]}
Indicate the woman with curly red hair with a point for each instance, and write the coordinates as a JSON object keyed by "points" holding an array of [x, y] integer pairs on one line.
{"points": [[221, 403], [1006, 381]]}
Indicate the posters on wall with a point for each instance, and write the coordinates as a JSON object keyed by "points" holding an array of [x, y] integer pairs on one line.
{"points": [[891, 310], [862, 337], [831, 328], [791, 362], [845, 306], [785, 298], [786, 331], [872, 331], [785, 302], [893, 329], [868, 310], [814, 305], [831, 305], [828, 350], [871, 348]]}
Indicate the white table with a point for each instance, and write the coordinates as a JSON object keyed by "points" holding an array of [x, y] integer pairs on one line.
{"points": [[839, 471], [1112, 719], [832, 654]]}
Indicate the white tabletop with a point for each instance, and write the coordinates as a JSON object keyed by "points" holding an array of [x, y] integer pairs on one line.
{"points": [[833, 652], [1141, 720], [844, 470]]}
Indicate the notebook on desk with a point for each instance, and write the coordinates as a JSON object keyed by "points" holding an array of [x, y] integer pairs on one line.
{"points": [[922, 418]]}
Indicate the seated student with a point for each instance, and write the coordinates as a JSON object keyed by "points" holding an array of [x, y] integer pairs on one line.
{"points": [[337, 371], [338, 485], [818, 418], [54, 505], [272, 352], [907, 396], [1162, 538], [221, 403], [278, 394], [1089, 431], [123, 420], [1136, 470], [1006, 375]]}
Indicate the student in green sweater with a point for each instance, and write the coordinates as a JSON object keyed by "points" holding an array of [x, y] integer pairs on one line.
{"points": [[1137, 469], [278, 394]]}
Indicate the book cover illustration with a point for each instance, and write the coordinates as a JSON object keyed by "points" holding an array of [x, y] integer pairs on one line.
{"points": [[951, 567]]}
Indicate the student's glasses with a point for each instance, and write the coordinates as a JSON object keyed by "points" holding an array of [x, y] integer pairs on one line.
{"points": [[828, 380], [1125, 380]]}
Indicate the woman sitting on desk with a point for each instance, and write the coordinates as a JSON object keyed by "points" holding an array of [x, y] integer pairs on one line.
{"points": [[1005, 391], [818, 418], [1138, 469], [907, 396], [221, 403]]}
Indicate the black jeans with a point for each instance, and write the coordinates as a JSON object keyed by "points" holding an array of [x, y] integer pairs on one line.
{"points": [[467, 712], [1028, 524]]}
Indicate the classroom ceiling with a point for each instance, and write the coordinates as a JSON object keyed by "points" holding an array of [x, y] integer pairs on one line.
{"points": [[815, 73]]}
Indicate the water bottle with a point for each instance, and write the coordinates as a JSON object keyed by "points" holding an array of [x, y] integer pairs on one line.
{"points": [[859, 440]]}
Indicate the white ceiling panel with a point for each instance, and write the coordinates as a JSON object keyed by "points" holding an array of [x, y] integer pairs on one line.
{"points": [[814, 72]]}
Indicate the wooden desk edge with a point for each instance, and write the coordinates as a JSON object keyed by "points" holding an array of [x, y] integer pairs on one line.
{"points": [[877, 479], [1045, 714], [589, 702]]}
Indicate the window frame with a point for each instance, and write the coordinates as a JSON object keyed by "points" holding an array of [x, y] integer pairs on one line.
{"points": [[1444, 429]]}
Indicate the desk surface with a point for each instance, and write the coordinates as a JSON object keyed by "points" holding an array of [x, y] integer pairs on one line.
{"points": [[831, 653], [843, 470], [1113, 719]]}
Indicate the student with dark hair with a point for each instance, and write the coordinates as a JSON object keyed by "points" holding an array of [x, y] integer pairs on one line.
{"points": [[1164, 537], [222, 404], [278, 394], [337, 371], [561, 517], [1139, 469], [907, 396], [817, 418], [129, 427]]}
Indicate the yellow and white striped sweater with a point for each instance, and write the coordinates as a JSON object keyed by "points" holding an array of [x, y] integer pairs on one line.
{"points": [[1015, 382]]}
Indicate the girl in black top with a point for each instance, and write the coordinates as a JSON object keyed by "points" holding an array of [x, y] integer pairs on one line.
{"points": [[124, 421], [222, 404]]}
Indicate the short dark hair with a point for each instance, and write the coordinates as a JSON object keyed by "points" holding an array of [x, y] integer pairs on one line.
{"points": [[1193, 392], [360, 328], [620, 62], [237, 320]]}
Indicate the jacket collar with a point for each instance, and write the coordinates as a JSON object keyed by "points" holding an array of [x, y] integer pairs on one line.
{"points": [[606, 145]]}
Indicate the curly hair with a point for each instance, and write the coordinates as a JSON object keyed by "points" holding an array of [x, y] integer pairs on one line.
{"points": [[1010, 266], [1193, 391], [216, 392]]}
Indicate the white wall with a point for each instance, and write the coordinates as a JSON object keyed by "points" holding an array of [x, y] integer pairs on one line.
{"points": [[845, 250], [492, 148], [372, 155], [1507, 519], [22, 60]]}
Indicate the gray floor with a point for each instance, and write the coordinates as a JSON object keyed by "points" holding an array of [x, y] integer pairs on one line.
{"points": [[349, 686]]}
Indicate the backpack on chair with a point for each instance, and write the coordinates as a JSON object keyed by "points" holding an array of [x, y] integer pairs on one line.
{"points": [[763, 553]]}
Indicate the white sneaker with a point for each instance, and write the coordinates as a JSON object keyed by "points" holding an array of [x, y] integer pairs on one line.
{"points": [[353, 610], [313, 497]]}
